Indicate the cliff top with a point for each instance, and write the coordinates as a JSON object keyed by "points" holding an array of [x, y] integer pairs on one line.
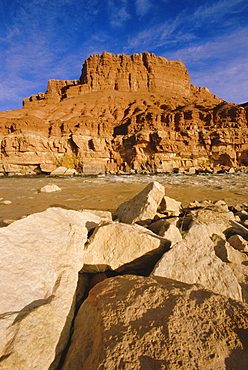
{"points": [[146, 73]]}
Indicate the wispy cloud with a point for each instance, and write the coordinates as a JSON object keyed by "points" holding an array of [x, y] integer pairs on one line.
{"points": [[118, 12], [227, 81], [222, 47], [220, 64], [219, 9], [142, 7]]}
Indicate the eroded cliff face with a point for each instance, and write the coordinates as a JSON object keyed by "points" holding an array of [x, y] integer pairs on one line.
{"points": [[131, 114]]}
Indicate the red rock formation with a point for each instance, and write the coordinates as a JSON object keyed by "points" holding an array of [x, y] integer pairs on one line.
{"points": [[135, 113]]}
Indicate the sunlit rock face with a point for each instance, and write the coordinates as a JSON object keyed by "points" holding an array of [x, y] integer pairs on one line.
{"points": [[156, 323], [132, 114]]}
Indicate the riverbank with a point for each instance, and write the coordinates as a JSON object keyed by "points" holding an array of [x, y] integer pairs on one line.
{"points": [[107, 192]]}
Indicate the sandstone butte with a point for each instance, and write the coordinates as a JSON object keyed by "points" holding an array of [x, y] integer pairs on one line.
{"points": [[132, 114]]}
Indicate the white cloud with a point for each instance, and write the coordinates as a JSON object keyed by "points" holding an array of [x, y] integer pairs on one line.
{"points": [[142, 7], [220, 64], [118, 12], [227, 80], [225, 47], [218, 9]]}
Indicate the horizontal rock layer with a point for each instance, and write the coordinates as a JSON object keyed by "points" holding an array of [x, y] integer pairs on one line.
{"points": [[135, 113]]}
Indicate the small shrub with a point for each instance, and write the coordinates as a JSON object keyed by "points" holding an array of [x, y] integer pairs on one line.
{"points": [[183, 233], [68, 161]]}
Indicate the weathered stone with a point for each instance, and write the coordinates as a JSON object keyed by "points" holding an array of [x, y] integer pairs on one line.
{"points": [[50, 188], [167, 229], [47, 167], [40, 259], [171, 206], [194, 260], [5, 202], [241, 273], [70, 172], [104, 215], [240, 229], [238, 242], [227, 253], [156, 225], [143, 206], [92, 219], [131, 322], [59, 171], [215, 220], [122, 247], [171, 233], [219, 206]]}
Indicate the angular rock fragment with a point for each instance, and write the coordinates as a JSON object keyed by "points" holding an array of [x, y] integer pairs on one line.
{"points": [[215, 220], [156, 226], [171, 233], [167, 227], [194, 260], [227, 253], [170, 206], [238, 242], [143, 206], [121, 247], [240, 229], [131, 322]]}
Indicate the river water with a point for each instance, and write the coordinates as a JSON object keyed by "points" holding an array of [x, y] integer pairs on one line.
{"points": [[107, 192]]}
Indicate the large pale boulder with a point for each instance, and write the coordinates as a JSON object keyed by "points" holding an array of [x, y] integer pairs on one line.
{"points": [[215, 219], [194, 260], [131, 322], [41, 256], [121, 247], [143, 206]]}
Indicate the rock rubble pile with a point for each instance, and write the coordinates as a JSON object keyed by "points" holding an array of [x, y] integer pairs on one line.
{"points": [[153, 286]]}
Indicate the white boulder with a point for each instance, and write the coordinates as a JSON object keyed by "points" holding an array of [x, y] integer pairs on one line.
{"points": [[143, 206], [194, 260], [41, 256], [133, 322], [118, 246], [50, 188]]}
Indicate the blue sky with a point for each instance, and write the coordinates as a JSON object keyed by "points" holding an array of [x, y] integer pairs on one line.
{"points": [[50, 39]]}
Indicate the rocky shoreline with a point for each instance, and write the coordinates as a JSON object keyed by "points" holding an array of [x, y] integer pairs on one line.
{"points": [[153, 286], [62, 171]]}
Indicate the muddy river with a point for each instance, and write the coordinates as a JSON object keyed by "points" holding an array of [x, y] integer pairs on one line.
{"points": [[107, 192]]}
